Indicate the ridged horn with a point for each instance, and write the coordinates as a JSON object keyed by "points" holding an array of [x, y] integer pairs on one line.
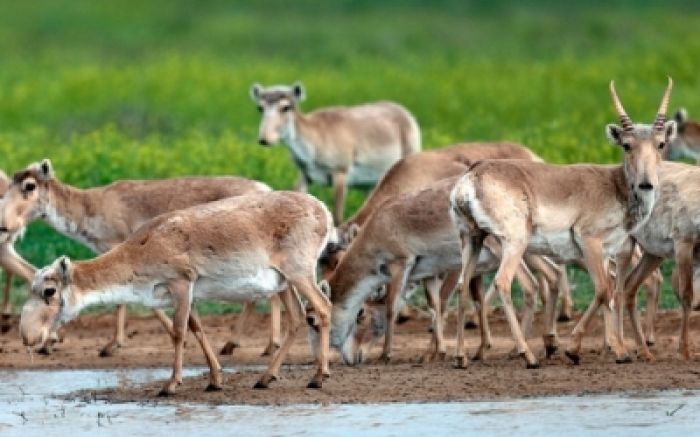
{"points": [[661, 114], [625, 120]]}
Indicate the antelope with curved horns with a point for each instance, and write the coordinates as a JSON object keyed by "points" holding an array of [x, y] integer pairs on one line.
{"points": [[416, 172], [408, 238], [546, 209], [687, 142], [238, 248], [338, 146], [672, 231], [102, 217]]}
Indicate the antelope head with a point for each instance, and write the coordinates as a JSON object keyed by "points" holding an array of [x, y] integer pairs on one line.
{"points": [[643, 146], [26, 197], [277, 104], [48, 305], [687, 142]]}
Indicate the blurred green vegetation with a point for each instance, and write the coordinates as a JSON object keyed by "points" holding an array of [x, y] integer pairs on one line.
{"points": [[146, 89]]}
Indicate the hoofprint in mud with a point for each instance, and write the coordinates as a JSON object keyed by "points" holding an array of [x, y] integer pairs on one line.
{"points": [[241, 248]]}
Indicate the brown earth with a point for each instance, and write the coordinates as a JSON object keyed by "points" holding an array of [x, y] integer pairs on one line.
{"points": [[500, 376]]}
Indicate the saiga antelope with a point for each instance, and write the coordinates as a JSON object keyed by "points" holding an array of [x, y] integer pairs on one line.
{"points": [[239, 248], [338, 146], [687, 142], [547, 209], [672, 231], [11, 263], [409, 238], [102, 217], [417, 171]]}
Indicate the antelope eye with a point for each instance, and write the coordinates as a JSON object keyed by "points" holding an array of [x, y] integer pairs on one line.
{"points": [[29, 187], [48, 292], [286, 108], [627, 147], [360, 315], [261, 109]]}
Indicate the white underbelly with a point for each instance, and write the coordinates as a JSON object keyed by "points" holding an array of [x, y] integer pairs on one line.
{"points": [[365, 175], [255, 285], [560, 245]]}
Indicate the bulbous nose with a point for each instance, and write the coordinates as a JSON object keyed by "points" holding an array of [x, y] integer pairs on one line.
{"points": [[3, 228], [645, 186]]}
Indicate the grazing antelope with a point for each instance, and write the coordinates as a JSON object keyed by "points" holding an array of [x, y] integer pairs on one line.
{"points": [[547, 209], [102, 217], [11, 263], [239, 248], [672, 231], [409, 238], [687, 142], [338, 146]]}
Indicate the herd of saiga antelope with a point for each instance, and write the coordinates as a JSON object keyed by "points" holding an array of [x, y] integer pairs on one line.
{"points": [[438, 217]]}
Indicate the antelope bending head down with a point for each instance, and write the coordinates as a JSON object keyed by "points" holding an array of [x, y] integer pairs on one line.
{"points": [[687, 143], [240, 248], [643, 146]]}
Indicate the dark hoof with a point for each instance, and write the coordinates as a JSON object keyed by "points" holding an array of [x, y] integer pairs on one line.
{"points": [[624, 360], [213, 387], [260, 385], [104, 353], [651, 342], [563, 318], [229, 348], [314, 384], [164, 393], [5, 326], [534, 365], [269, 350], [550, 351], [575, 358], [401, 319], [460, 363], [45, 350], [469, 324]]}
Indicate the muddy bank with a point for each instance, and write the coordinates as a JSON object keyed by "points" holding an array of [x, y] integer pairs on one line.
{"points": [[500, 376]]}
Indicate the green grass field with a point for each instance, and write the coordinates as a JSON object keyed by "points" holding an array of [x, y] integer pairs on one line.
{"points": [[146, 89]]}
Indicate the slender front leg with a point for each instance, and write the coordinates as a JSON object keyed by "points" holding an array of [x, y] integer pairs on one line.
{"points": [[6, 305], [592, 248], [528, 283], [340, 190], [399, 271], [295, 319], [118, 340], [634, 280], [623, 261], [307, 288], [180, 291], [275, 325], [566, 308], [195, 325], [436, 349], [471, 247], [238, 329], [551, 338], [653, 286], [302, 184], [164, 320], [684, 265]]}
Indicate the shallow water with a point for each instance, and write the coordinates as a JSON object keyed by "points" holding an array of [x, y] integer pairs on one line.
{"points": [[28, 408]]}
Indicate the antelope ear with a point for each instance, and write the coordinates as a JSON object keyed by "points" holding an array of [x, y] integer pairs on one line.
{"points": [[681, 116], [325, 288], [298, 92], [614, 134], [670, 130], [353, 232], [255, 91], [64, 268], [45, 170]]}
